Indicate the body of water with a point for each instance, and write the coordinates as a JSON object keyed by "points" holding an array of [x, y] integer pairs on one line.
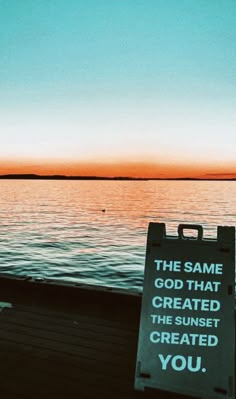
{"points": [[94, 232]]}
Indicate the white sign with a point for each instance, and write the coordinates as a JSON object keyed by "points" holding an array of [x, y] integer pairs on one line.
{"points": [[187, 328]]}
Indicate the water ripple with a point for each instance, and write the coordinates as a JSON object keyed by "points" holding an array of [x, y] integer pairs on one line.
{"points": [[58, 230]]}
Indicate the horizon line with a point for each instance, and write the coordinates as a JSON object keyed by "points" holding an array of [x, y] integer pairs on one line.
{"points": [[35, 176]]}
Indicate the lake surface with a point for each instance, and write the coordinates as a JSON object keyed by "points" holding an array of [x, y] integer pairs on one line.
{"points": [[57, 229]]}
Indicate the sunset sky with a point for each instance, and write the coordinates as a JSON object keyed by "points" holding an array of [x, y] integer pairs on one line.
{"points": [[127, 87]]}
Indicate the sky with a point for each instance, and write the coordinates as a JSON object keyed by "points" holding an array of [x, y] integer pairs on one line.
{"points": [[118, 88]]}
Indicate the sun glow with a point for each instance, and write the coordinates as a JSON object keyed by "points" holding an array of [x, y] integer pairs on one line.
{"points": [[143, 169]]}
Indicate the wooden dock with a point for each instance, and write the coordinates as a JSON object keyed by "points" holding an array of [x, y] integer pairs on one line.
{"points": [[67, 341]]}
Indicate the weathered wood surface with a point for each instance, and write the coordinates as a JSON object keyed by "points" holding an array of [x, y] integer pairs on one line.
{"points": [[66, 342]]}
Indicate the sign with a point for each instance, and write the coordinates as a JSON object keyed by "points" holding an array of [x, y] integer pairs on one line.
{"points": [[187, 328]]}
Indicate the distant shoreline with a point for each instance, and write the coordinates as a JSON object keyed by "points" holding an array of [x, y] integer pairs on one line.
{"points": [[64, 177]]}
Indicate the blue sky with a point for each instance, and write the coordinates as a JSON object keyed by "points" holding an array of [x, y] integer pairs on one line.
{"points": [[118, 80]]}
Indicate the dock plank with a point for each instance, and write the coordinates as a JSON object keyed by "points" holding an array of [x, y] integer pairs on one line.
{"points": [[62, 343], [61, 350]]}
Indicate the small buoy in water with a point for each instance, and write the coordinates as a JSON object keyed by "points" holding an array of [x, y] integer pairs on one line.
{"points": [[103, 210]]}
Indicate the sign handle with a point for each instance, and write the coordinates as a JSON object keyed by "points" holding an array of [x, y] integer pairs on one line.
{"points": [[197, 227]]}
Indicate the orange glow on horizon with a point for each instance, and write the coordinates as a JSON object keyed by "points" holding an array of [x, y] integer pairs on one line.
{"points": [[128, 169]]}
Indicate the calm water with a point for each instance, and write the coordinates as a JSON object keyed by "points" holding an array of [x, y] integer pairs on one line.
{"points": [[56, 229]]}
